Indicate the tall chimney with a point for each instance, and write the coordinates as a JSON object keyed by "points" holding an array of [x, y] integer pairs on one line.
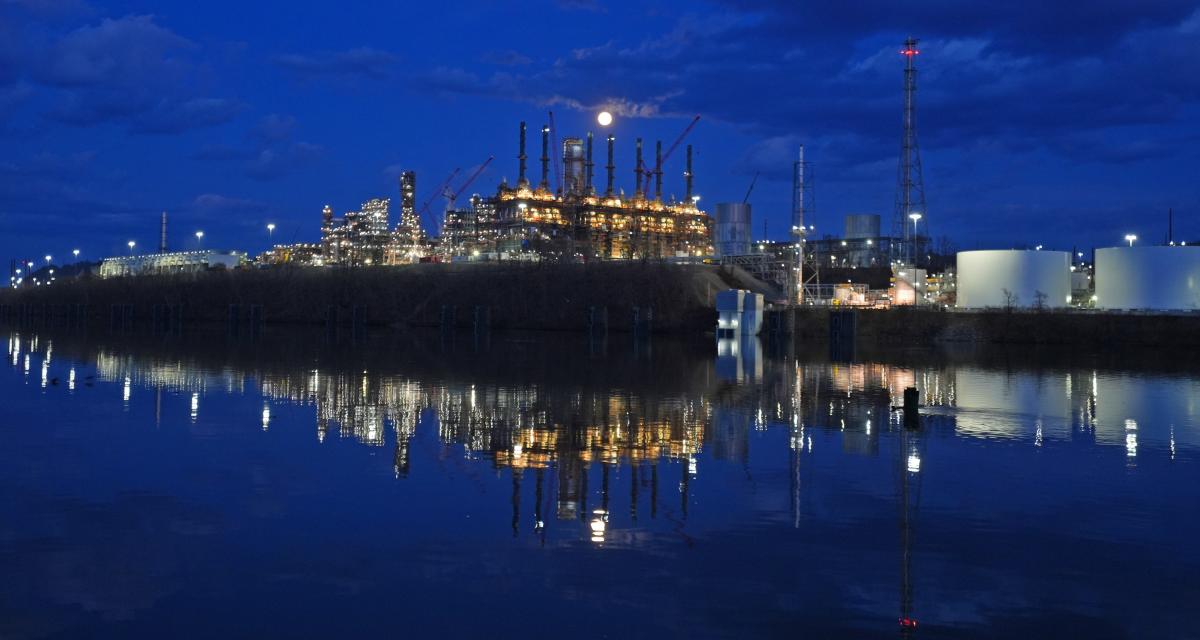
{"points": [[658, 171], [611, 167], [688, 177], [545, 184], [162, 237], [587, 188], [522, 181], [637, 171]]}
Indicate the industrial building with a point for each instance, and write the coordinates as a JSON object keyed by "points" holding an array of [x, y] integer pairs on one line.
{"points": [[861, 245], [577, 221], [359, 237], [170, 262]]}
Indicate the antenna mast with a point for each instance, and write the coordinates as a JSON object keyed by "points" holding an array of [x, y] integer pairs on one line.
{"points": [[910, 187]]}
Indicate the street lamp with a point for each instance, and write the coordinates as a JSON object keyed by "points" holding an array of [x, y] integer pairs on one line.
{"points": [[1129, 237], [76, 253], [131, 244], [47, 260], [915, 217], [199, 237], [270, 231]]}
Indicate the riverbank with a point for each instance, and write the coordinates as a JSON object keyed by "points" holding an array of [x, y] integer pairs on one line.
{"points": [[918, 326], [561, 297]]}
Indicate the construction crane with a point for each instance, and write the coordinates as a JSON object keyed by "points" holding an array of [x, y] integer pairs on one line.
{"points": [[753, 181], [436, 192], [452, 196], [555, 154], [674, 145]]}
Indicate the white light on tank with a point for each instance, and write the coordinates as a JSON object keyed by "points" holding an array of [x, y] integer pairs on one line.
{"points": [[604, 118]]}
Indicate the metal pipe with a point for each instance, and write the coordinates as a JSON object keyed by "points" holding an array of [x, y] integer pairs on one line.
{"points": [[521, 180], [611, 167], [587, 188], [637, 170], [545, 158], [162, 240], [658, 171], [688, 176]]}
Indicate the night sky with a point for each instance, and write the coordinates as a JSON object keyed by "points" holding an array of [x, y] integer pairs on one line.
{"points": [[1056, 123]]}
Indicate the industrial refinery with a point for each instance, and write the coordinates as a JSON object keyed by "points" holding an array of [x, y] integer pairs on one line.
{"points": [[567, 213]]}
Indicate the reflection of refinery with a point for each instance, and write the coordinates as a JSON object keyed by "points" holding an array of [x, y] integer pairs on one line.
{"points": [[565, 429], [518, 428]]}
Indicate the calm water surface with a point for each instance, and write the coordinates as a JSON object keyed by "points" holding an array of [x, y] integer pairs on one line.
{"points": [[540, 486]]}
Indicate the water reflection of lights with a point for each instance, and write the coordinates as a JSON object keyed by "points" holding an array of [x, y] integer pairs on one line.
{"points": [[1037, 435], [71, 379], [1131, 438], [125, 391], [195, 405], [27, 364], [914, 463], [599, 525], [266, 417]]}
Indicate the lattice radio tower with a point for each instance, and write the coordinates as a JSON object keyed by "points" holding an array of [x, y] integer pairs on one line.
{"points": [[910, 187], [803, 201]]}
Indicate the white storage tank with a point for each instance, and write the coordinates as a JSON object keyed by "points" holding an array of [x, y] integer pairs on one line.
{"points": [[1149, 278], [1014, 278]]}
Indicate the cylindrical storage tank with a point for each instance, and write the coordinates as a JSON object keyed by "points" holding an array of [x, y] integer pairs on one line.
{"points": [[1013, 279], [862, 225], [731, 232], [1151, 278]]}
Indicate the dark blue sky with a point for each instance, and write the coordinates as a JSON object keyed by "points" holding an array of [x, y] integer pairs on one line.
{"points": [[1040, 123]]}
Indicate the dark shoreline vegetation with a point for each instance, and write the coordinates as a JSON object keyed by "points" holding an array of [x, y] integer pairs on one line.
{"points": [[539, 296], [678, 299]]}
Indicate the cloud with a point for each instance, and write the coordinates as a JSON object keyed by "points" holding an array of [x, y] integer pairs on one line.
{"points": [[274, 128], [129, 71], [268, 151], [581, 5], [274, 163], [114, 52], [1001, 75], [537, 89], [362, 61], [505, 57], [212, 203]]}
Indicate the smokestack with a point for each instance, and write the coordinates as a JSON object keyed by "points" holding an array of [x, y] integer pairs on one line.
{"points": [[162, 237], [522, 181], [608, 192], [658, 171], [637, 170], [545, 158], [688, 177], [587, 188]]}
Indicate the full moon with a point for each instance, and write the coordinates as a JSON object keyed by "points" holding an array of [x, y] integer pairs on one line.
{"points": [[604, 118]]}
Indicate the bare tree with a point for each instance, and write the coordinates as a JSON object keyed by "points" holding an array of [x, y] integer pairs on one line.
{"points": [[1010, 300]]}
